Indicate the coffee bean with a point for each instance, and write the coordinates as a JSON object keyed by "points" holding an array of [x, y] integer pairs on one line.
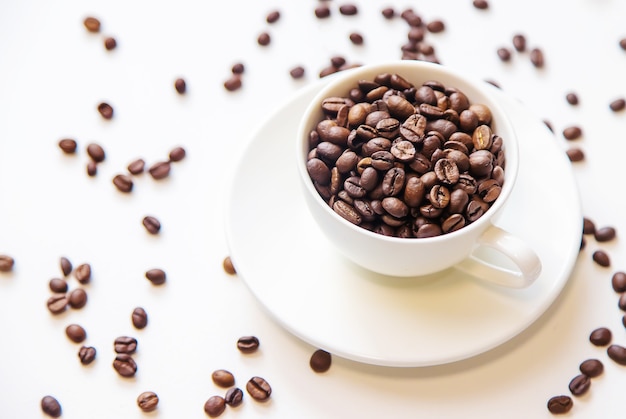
{"points": [[579, 385], [572, 98], [356, 38], [320, 361], [92, 24], [123, 183], [322, 12], [259, 389], [233, 83], [621, 303], [575, 154], [604, 234], [87, 354], [125, 365], [618, 105], [297, 72], [110, 43], [601, 336], [160, 170], [139, 318], [560, 404], [58, 285], [152, 224], [536, 57], [234, 397], [618, 281], [617, 353], [180, 85], [76, 333], [106, 110], [136, 166], [435, 26], [68, 145], [481, 4], [223, 378], [227, 265], [57, 303], [504, 54], [519, 42], [125, 345], [348, 9], [66, 265], [589, 226], [601, 258], [83, 273], [264, 39], [572, 132], [51, 406], [272, 16], [156, 276], [388, 12], [238, 68], [177, 154], [92, 168], [77, 298], [6, 263], [248, 344], [622, 43], [591, 368], [147, 401], [215, 406]]}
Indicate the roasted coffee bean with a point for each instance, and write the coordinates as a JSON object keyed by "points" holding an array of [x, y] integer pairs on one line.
{"points": [[227, 265], [481, 4], [447, 171], [617, 353], [395, 207], [136, 166], [110, 43], [66, 265], [82, 273], [264, 39], [106, 110], [180, 85], [575, 154], [156, 276], [604, 234], [428, 230], [591, 368], [601, 336], [160, 170], [435, 26], [148, 401], [125, 345], [560, 404], [77, 298], [618, 281], [320, 361], [322, 11], [348, 9], [233, 83], [68, 145], [223, 378], [76, 333], [58, 285], [297, 72], [248, 344], [348, 212], [504, 54], [388, 12], [319, 171], [92, 24], [152, 224], [259, 389], [6, 263], [177, 154], [57, 303], [96, 152], [519, 42], [123, 183], [87, 354], [393, 181], [572, 98], [601, 258], [92, 168], [238, 68], [125, 365], [234, 397], [589, 226], [572, 132], [618, 105], [51, 406], [356, 38], [579, 385], [215, 406], [621, 303], [453, 223], [139, 318], [272, 16]]}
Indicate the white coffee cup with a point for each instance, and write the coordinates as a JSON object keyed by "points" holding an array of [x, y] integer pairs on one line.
{"points": [[410, 257]]}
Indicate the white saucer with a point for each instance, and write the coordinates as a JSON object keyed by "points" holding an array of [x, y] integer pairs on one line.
{"points": [[327, 301]]}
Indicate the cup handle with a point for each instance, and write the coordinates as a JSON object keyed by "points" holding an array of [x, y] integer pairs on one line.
{"points": [[526, 260]]}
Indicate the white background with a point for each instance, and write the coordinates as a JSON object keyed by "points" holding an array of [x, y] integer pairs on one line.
{"points": [[53, 73]]}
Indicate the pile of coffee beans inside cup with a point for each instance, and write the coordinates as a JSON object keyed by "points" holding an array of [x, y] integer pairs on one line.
{"points": [[404, 160]]}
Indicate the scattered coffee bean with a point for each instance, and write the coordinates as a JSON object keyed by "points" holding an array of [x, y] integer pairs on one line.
{"points": [[519, 42], [223, 378], [435, 26], [6, 263], [105, 110], [66, 265], [160, 170], [481, 4], [76, 333], [264, 39], [139, 318], [348, 9], [320, 361], [156, 276], [273, 16], [259, 389], [297, 72], [536, 57], [238, 68], [92, 24], [601, 258], [589, 226], [92, 168], [621, 303], [58, 285], [560, 404], [87, 354], [234, 397], [504, 54], [125, 345], [125, 365], [228, 266], [147, 401], [180, 85], [110, 43], [57, 303], [177, 154], [322, 12], [136, 166], [83, 273], [618, 105], [68, 145], [233, 83], [575, 154], [617, 353], [356, 38], [51, 406], [152, 224], [96, 152], [572, 132], [77, 298], [388, 13], [215, 406], [591, 368], [605, 234], [622, 43], [248, 344], [123, 183], [572, 98], [618, 281], [579, 385], [601, 336]]}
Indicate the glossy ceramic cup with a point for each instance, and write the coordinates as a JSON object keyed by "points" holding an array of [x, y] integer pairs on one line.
{"points": [[410, 257]]}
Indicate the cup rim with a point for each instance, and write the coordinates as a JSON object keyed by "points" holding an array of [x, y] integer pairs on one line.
{"points": [[352, 75]]}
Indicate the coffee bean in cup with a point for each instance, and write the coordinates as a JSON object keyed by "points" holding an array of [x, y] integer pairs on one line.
{"points": [[405, 160]]}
